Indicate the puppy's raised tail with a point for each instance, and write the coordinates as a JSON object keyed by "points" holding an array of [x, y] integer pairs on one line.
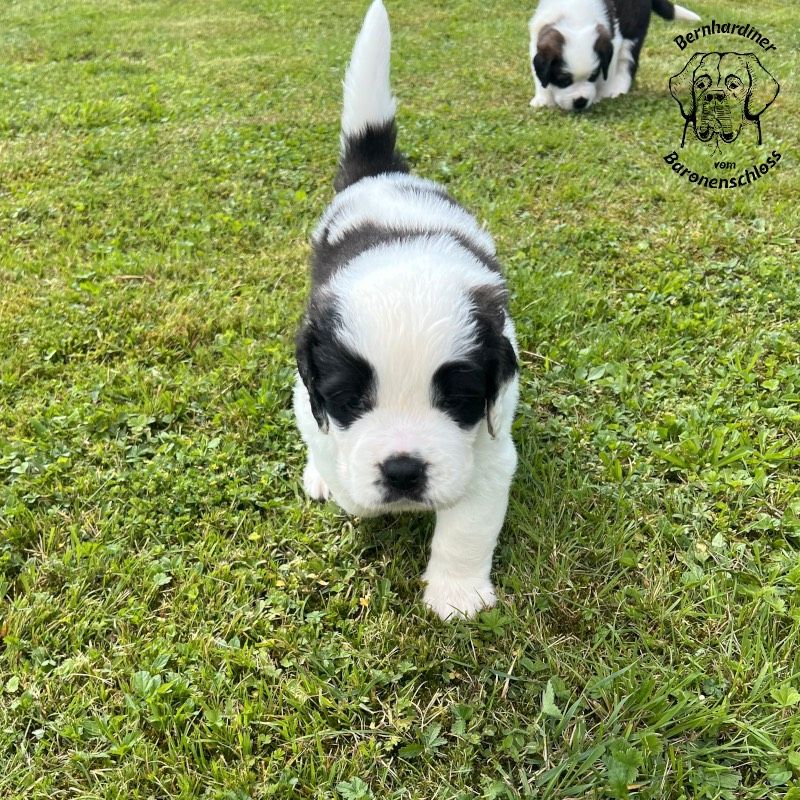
{"points": [[669, 10], [369, 132]]}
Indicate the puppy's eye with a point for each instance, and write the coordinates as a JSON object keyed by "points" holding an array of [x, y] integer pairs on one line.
{"points": [[347, 410], [703, 82], [595, 75], [345, 403], [459, 390], [347, 382], [562, 80], [732, 82]]}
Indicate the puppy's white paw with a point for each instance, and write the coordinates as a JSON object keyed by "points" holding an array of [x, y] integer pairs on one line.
{"points": [[313, 483], [618, 86], [451, 597], [540, 102]]}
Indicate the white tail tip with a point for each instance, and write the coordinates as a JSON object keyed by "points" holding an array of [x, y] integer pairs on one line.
{"points": [[367, 92], [685, 14]]}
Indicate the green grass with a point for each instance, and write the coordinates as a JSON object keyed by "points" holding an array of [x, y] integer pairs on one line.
{"points": [[176, 620]]}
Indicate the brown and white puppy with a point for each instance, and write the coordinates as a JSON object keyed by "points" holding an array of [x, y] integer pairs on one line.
{"points": [[721, 93], [585, 50]]}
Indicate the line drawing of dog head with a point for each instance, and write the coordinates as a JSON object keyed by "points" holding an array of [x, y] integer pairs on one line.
{"points": [[720, 93]]}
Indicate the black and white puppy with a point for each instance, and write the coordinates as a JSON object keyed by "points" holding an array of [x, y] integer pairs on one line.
{"points": [[407, 362], [585, 50]]}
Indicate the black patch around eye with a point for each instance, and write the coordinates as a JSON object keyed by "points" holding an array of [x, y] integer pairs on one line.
{"points": [[561, 80], [594, 76], [459, 390], [467, 389], [347, 382]]}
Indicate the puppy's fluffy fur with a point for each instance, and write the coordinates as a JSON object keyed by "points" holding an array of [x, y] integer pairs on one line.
{"points": [[585, 50], [407, 369]]}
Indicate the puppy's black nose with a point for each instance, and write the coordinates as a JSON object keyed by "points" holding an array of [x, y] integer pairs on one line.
{"points": [[579, 103], [712, 94], [404, 474]]}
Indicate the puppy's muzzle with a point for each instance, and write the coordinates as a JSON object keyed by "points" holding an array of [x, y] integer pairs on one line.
{"points": [[404, 477]]}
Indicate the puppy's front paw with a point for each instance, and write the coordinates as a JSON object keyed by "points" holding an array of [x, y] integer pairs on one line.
{"points": [[619, 86], [540, 102], [451, 596], [313, 483]]}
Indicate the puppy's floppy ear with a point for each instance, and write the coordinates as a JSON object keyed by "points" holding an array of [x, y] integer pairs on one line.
{"points": [[681, 85], [604, 48], [307, 340], [549, 47], [763, 87], [495, 351]]}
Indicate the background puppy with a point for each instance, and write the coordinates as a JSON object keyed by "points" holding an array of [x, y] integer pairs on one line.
{"points": [[407, 369], [720, 93], [585, 50]]}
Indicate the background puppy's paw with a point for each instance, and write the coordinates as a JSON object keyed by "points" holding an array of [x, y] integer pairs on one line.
{"points": [[450, 597], [619, 86], [313, 483]]}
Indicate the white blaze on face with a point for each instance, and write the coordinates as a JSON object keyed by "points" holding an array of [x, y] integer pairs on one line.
{"points": [[406, 309], [581, 60]]}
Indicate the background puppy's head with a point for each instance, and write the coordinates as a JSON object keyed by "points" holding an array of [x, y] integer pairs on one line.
{"points": [[405, 358], [570, 62]]}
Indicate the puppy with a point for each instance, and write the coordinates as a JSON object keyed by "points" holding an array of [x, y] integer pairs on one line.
{"points": [[721, 93], [585, 50], [407, 357]]}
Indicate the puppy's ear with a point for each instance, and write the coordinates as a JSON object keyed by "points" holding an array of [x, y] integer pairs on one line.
{"points": [[763, 87], [505, 369], [549, 48], [604, 48], [495, 350], [681, 85], [542, 68], [307, 340]]}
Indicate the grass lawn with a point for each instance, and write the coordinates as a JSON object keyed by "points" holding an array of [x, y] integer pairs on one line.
{"points": [[177, 620]]}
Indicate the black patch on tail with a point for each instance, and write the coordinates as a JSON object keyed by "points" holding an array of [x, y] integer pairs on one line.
{"points": [[370, 152], [664, 9]]}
